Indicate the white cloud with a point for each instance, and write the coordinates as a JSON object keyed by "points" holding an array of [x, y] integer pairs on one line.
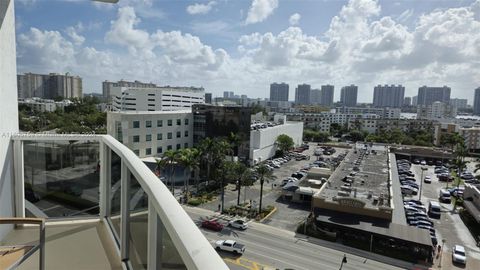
{"points": [[200, 8], [73, 33], [360, 46], [260, 10], [407, 14], [213, 27], [294, 19]]}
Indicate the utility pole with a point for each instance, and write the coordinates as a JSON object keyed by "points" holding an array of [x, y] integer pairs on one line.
{"points": [[421, 183], [344, 260]]}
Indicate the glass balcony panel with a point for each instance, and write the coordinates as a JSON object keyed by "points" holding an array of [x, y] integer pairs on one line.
{"points": [[168, 256], [115, 191], [61, 178], [138, 203]]}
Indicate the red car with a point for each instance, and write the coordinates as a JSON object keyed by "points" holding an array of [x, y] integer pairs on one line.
{"points": [[212, 225]]}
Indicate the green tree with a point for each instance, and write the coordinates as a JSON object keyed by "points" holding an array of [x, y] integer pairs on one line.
{"points": [[263, 173], [284, 143], [188, 158], [171, 157]]}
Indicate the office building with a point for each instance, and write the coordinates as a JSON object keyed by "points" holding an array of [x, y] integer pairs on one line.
{"points": [[390, 113], [219, 121], [165, 98], [315, 96], [302, 94], [348, 95], [208, 98], [407, 101], [49, 86], [388, 96], [414, 100], [150, 134], [427, 95], [476, 102], [228, 94], [123, 214], [437, 110], [327, 92], [279, 92], [107, 87], [459, 103]]}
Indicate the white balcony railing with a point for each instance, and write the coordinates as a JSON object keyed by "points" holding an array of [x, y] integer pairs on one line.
{"points": [[163, 213]]}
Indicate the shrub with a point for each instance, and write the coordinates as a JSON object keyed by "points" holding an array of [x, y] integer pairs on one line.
{"points": [[195, 202]]}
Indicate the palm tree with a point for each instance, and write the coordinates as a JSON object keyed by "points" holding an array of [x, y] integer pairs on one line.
{"points": [[263, 173], [242, 173], [222, 149], [235, 142], [187, 157], [207, 147], [171, 157]]}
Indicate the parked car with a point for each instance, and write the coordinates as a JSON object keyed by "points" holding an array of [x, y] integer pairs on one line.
{"points": [[444, 196], [423, 162], [427, 179], [239, 224], [230, 246], [459, 255], [417, 202], [212, 225]]}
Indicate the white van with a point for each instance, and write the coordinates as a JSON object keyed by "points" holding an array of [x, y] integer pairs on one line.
{"points": [[434, 209], [444, 196]]}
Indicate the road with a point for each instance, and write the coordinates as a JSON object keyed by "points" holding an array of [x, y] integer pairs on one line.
{"points": [[274, 248]]}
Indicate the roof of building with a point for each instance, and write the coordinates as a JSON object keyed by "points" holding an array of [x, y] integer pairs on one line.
{"points": [[374, 225], [149, 112], [364, 176]]}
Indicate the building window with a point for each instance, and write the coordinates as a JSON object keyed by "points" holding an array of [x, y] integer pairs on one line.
{"points": [[136, 124], [186, 145], [148, 138], [170, 122], [169, 135], [148, 124], [136, 138], [169, 147], [159, 150], [137, 152], [159, 136], [159, 123], [186, 133], [179, 122], [179, 134], [178, 146], [186, 122], [148, 151]]}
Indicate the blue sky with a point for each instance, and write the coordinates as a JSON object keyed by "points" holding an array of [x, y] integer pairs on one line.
{"points": [[244, 45]]}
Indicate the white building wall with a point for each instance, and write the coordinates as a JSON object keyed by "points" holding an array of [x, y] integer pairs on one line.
{"points": [[156, 98], [262, 141], [9, 109], [124, 122]]}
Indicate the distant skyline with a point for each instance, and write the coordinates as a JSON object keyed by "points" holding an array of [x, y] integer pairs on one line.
{"points": [[244, 46]]}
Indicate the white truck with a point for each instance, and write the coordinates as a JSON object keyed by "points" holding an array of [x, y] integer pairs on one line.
{"points": [[230, 246]]}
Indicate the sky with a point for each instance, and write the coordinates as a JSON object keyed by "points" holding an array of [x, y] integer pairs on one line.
{"points": [[244, 45]]}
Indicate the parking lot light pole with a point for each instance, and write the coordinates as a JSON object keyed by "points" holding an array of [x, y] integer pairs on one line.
{"points": [[344, 260], [421, 183]]}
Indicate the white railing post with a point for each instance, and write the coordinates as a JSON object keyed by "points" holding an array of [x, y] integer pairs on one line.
{"points": [[155, 239], [18, 166], [125, 213], [105, 179]]}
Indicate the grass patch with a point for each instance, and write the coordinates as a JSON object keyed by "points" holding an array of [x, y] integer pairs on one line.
{"points": [[471, 223]]}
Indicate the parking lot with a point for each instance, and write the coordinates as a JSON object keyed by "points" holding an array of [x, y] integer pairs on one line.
{"points": [[290, 214], [449, 226]]}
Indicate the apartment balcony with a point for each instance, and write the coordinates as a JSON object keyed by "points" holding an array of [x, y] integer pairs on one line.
{"points": [[103, 209]]}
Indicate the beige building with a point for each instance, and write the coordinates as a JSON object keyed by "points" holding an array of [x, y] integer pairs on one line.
{"points": [[49, 86], [472, 137]]}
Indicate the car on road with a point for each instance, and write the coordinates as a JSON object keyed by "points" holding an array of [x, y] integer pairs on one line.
{"points": [[238, 224], [230, 246], [212, 225], [444, 196], [459, 255], [434, 209]]}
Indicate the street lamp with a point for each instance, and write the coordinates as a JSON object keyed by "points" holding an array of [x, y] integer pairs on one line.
{"points": [[421, 184], [344, 260]]}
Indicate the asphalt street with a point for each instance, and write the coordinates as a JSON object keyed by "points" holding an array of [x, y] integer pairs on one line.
{"points": [[268, 247]]}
